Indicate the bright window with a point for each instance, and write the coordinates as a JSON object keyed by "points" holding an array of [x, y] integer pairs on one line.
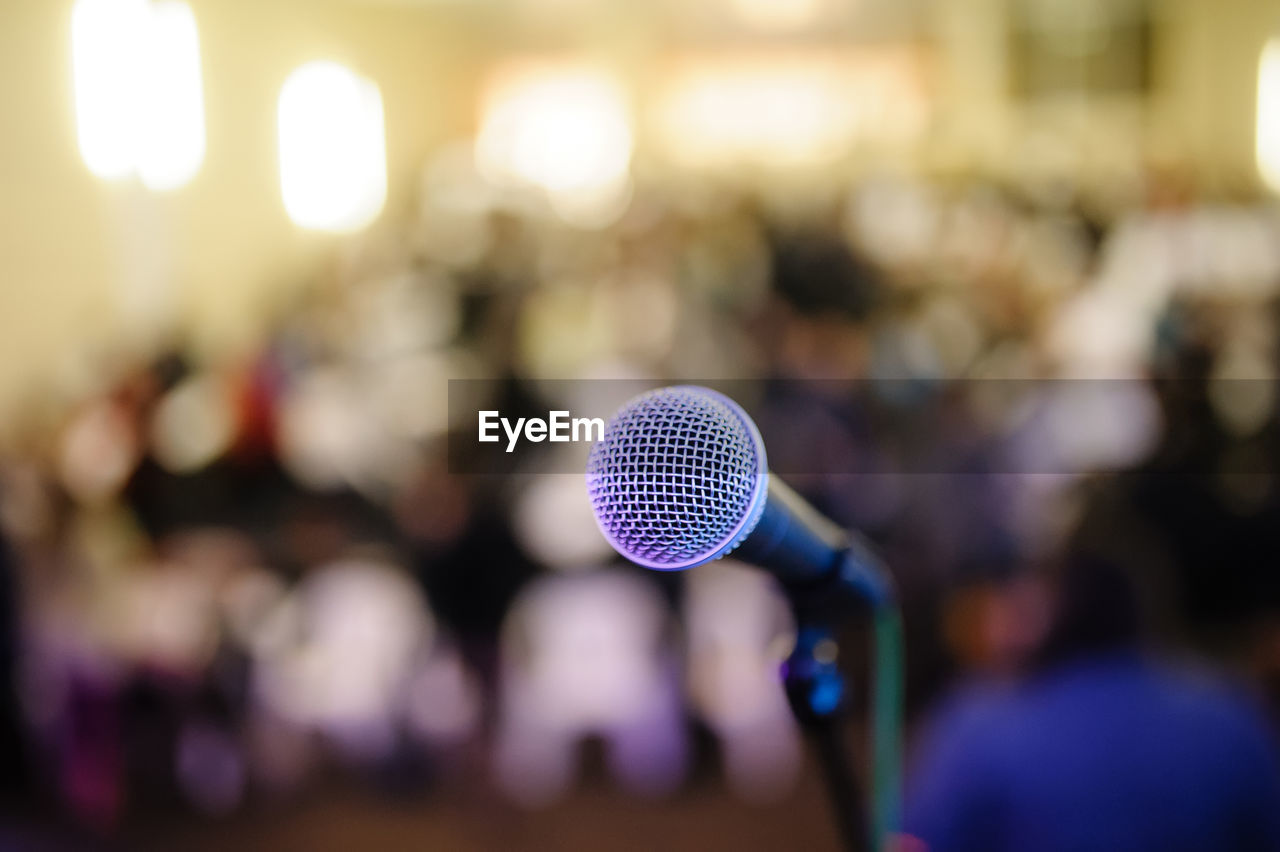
{"points": [[1269, 114], [562, 129], [333, 161], [138, 92]]}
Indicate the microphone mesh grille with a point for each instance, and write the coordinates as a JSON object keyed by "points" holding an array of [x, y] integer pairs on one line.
{"points": [[677, 473]]}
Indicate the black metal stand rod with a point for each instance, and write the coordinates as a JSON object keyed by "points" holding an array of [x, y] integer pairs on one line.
{"points": [[843, 792], [816, 692]]}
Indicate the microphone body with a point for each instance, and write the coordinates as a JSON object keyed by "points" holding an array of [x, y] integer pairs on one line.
{"points": [[820, 564]]}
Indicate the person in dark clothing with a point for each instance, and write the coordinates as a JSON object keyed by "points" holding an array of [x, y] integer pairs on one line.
{"points": [[13, 764]]}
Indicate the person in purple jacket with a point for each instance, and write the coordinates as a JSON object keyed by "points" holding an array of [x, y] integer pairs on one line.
{"points": [[1101, 746]]}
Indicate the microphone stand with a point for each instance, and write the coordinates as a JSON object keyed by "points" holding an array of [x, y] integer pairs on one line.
{"points": [[818, 694]]}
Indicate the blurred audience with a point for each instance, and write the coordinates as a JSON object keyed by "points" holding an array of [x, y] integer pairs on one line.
{"points": [[227, 574]]}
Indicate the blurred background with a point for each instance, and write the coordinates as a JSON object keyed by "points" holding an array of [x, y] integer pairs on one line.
{"points": [[245, 245]]}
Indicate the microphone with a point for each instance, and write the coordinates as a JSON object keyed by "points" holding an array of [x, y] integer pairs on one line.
{"points": [[681, 478]]}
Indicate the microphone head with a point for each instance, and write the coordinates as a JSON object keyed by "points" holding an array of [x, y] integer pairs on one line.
{"points": [[679, 479]]}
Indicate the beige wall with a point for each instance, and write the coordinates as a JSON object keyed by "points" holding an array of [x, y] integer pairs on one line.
{"points": [[1209, 63], [85, 264], [82, 259], [1201, 112]]}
